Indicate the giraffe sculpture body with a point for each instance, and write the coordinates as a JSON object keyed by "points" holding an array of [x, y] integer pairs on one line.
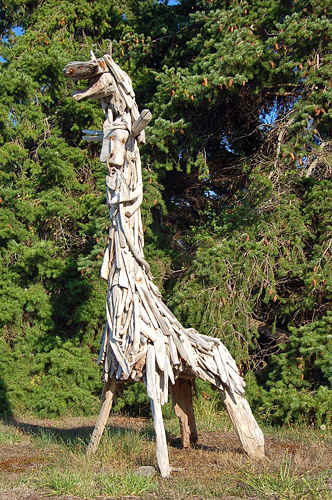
{"points": [[142, 339]]}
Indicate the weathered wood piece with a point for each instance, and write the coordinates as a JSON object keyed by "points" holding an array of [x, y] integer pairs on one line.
{"points": [[161, 444], [102, 419], [142, 121], [245, 425], [183, 408], [142, 339]]}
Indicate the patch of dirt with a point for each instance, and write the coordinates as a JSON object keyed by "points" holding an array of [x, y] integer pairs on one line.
{"points": [[18, 464], [30, 494]]}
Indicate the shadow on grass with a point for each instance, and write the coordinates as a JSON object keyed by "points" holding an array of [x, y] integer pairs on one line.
{"points": [[5, 408], [56, 433], [68, 436]]}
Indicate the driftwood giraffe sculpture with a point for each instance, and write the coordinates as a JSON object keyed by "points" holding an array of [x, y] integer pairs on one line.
{"points": [[142, 339]]}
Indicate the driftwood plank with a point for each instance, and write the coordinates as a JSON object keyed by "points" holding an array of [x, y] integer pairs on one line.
{"points": [[170, 370], [160, 349], [173, 353], [146, 306], [183, 407], [105, 268], [103, 346], [137, 328], [161, 444], [150, 371], [142, 121], [102, 419], [148, 332], [221, 368], [245, 425]]}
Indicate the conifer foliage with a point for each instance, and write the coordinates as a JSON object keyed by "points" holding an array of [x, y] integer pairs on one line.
{"points": [[238, 191]]}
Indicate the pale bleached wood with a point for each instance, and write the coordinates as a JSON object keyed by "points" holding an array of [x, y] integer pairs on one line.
{"points": [[170, 370], [122, 299], [245, 425], [210, 363], [148, 332], [137, 329], [174, 353], [191, 353], [155, 290], [102, 419], [105, 268], [103, 342], [138, 254], [154, 304], [128, 320], [162, 384], [199, 339], [118, 255], [150, 370], [186, 352], [142, 121], [110, 363], [144, 315], [147, 307], [102, 88], [212, 377], [166, 312], [181, 349], [158, 387], [122, 238], [92, 138], [92, 132], [161, 444], [221, 367], [135, 206], [160, 349], [131, 281], [138, 356], [116, 349]]}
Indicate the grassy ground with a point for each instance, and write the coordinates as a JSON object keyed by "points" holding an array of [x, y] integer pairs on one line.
{"points": [[42, 458]]}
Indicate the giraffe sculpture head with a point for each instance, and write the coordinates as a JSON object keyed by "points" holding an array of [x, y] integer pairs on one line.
{"points": [[112, 87]]}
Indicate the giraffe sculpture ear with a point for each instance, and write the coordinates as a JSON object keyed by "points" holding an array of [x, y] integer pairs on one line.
{"points": [[109, 49], [93, 57]]}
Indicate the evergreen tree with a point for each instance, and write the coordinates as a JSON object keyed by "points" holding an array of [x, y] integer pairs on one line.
{"points": [[250, 113], [237, 190], [53, 218]]}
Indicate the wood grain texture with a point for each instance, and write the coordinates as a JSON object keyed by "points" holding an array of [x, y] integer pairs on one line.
{"points": [[102, 419], [183, 407]]}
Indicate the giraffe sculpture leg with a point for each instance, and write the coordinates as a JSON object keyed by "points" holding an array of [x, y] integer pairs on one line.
{"points": [[158, 423], [245, 425], [183, 408], [160, 435], [102, 419]]}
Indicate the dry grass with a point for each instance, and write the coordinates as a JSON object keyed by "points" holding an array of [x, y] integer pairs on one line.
{"points": [[43, 457]]}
